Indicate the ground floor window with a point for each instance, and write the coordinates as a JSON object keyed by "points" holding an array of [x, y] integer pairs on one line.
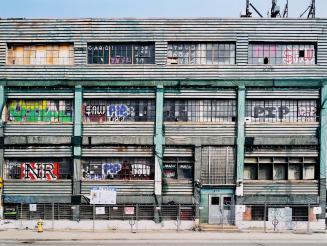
{"points": [[180, 168]]}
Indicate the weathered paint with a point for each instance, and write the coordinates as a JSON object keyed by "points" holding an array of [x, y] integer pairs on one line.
{"points": [[240, 139]]}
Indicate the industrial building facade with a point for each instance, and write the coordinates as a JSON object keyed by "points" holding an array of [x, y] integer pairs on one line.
{"points": [[225, 114]]}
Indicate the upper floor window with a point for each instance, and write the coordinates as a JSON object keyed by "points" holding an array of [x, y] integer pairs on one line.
{"points": [[121, 53], [282, 54], [201, 53], [40, 54]]}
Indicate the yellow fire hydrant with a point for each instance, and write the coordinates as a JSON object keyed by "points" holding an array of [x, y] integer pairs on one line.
{"points": [[40, 226]]}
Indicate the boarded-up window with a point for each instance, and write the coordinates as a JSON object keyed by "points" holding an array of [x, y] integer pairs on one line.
{"points": [[282, 110], [180, 168], [128, 168], [195, 110], [285, 54], [55, 110], [218, 164], [118, 110], [40, 54]]}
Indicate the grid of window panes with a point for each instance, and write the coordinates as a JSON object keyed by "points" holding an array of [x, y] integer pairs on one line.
{"points": [[14, 167], [115, 110], [128, 168], [178, 168], [280, 163], [121, 53], [284, 54], [282, 110], [201, 53], [198, 110], [40, 54], [47, 110]]}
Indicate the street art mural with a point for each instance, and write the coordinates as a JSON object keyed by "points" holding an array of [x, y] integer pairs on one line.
{"points": [[39, 170], [40, 111], [118, 169], [112, 112]]}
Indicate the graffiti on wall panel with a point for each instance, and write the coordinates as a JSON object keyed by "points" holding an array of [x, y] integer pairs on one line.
{"points": [[39, 111], [39, 170], [111, 112]]}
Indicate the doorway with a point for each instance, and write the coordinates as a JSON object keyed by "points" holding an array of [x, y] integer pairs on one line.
{"points": [[221, 209]]}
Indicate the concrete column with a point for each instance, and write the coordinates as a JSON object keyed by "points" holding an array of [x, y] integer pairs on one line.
{"points": [[158, 142], [323, 151], [77, 144], [197, 178], [2, 160], [240, 140]]}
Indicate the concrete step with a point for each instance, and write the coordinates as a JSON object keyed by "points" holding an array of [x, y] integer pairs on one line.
{"points": [[224, 228]]}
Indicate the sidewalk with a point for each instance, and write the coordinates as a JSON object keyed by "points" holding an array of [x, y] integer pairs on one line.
{"points": [[32, 235]]}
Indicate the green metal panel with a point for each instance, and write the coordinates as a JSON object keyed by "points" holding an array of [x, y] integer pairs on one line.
{"points": [[323, 149], [240, 134]]}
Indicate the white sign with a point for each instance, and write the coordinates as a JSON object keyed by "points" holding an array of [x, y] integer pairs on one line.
{"points": [[100, 210], [103, 195], [33, 208], [129, 210], [317, 210]]}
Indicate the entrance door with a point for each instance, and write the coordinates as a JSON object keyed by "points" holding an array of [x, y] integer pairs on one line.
{"points": [[221, 209]]}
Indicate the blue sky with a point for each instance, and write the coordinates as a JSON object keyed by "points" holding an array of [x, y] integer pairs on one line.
{"points": [[144, 8]]}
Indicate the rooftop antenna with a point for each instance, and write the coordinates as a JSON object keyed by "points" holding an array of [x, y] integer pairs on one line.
{"points": [[311, 9], [285, 12], [248, 13], [275, 9]]}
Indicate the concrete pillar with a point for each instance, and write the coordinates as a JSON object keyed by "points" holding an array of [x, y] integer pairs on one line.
{"points": [[77, 144], [158, 143], [240, 140], [323, 151], [2, 161], [197, 179]]}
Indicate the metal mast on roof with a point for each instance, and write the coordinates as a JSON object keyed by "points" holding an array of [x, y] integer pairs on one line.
{"points": [[311, 10], [248, 13]]}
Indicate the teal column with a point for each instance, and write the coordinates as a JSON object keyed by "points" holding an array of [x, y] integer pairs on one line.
{"points": [[77, 145], [159, 141], [323, 150], [240, 140], [2, 160]]}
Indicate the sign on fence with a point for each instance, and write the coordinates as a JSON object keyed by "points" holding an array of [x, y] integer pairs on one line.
{"points": [[129, 210], [32, 207], [103, 195], [100, 210]]}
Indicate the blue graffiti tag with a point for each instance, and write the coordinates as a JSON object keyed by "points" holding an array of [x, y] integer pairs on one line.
{"points": [[111, 168], [119, 111]]}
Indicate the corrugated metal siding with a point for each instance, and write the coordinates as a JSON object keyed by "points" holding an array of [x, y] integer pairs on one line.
{"points": [[161, 52], [38, 130], [118, 129], [62, 187], [281, 129], [39, 95], [281, 188], [80, 51], [199, 130], [289, 153], [322, 49], [163, 30], [3, 51], [242, 45], [115, 95], [178, 152], [201, 94], [138, 188], [117, 152], [177, 188], [38, 152], [282, 94]]}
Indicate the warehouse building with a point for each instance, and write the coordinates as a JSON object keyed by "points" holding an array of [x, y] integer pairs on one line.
{"points": [[225, 114]]}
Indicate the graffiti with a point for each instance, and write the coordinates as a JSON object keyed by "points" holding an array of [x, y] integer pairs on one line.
{"points": [[112, 112], [270, 112], [140, 170], [110, 169], [39, 111], [307, 111], [39, 171], [121, 60], [291, 56]]}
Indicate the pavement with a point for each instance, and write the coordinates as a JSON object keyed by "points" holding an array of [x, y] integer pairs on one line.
{"points": [[79, 235]]}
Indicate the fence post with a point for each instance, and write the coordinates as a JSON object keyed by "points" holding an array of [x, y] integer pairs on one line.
{"points": [[137, 217], [21, 215], [93, 217], [52, 212], [178, 216], [264, 218], [308, 224]]}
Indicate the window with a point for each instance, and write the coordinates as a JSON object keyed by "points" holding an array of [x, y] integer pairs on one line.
{"points": [[300, 213], [279, 163], [121, 53], [46, 169], [282, 110], [115, 110], [180, 168], [128, 168], [257, 213], [218, 165], [40, 54], [201, 53], [22, 110], [195, 110], [282, 54]]}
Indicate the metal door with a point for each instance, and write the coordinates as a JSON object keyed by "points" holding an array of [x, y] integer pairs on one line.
{"points": [[221, 209]]}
